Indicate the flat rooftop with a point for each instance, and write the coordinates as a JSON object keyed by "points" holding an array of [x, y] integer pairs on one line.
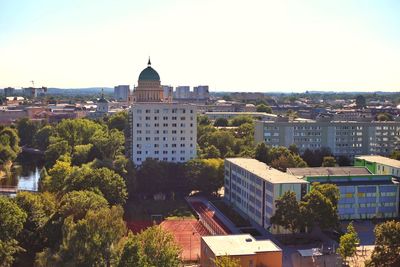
{"points": [[265, 172], [380, 160], [327, 171], [234, 245]]}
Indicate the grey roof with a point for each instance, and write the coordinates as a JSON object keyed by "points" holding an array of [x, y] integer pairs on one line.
{"points": [[326, 171]]}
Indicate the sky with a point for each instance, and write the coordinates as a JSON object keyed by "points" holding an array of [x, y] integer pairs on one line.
{"points": [[230, 45]]}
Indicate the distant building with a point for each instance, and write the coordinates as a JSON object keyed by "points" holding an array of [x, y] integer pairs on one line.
{"points": [[201, 92], [182, 92], [252, 187], [249, 251], [344, 138], [168, 92], [121, 93], [247, 96], [159, 128], [32, 92], [9, 91]]}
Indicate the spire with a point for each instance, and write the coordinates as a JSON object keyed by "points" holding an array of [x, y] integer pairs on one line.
{"points": [[102, 93], [149, 62]]}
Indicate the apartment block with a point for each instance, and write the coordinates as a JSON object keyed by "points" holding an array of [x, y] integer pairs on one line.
{"points": [[252, 187], [347, 138]]}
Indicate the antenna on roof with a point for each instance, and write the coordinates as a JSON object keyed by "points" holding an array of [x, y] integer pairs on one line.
{"points": [[33, 83]]}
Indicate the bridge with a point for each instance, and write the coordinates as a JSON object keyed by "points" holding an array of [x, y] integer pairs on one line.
{"points": [[13, 190]]}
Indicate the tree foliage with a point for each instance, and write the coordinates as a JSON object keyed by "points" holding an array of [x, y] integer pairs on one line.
{"points": [[348, 243], [263, 108], [226, 261], [387, 245], [12, 219], [329, 161], [287, 213], [152, 247], [221, 122]]}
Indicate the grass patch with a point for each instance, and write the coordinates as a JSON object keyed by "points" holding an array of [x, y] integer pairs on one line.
{"points": [[143, 209], [231, 214]]}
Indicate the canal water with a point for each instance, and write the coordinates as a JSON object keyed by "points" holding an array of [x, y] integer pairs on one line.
{"points": [[25, 172]]}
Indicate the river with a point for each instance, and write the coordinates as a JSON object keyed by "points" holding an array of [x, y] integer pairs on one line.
{"points": [[25, 172]]}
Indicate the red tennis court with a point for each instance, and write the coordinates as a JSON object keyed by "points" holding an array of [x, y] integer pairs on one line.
{"points": [[187, 234]]}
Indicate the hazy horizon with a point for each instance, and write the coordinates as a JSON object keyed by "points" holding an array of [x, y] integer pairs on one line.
{"points": [[255, 46]]}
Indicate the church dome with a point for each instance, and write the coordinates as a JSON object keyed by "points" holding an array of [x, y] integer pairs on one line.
{"points": [[149, 74]]}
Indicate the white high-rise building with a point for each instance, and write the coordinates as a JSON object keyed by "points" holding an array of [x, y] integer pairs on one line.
{"points": [[160, 128], [121, 92]]}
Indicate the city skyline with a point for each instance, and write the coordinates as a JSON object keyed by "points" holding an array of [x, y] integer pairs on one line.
{"points": [[262, 46]]}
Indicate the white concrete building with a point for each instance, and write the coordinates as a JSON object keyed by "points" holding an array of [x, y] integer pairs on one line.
{"points": [[182, 92], [160, 129], [121, 92], [252, 187]]}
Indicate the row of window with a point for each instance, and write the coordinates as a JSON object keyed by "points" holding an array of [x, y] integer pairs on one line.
{"points": [[147, 125], [165, 118], [165, 110], [164, 132], [174, 138], [164, 152], [164, 159]]}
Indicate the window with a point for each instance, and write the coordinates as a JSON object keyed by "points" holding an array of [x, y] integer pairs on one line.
{"points": [[147, 110], [139, 111]]}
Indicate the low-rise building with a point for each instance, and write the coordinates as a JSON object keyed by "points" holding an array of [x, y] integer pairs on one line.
{"points": [[379, 165], [229, 115], [249, 251], [363, 195]]}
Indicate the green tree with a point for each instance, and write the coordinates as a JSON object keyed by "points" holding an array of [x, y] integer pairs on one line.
{"points": [[205, 175], [41, 139], [58, 174], [395, 155], [223, 140], [211, 152], [118, 121], [294, 149], [329, 162], [26, 131], [319, 209], [384, 117], [91, 241], [55, 150], [103, 180], [7, 154], [262, 152], [263, 108], [387, 245], [39, 207], [9, 137], [81, 154], [152, 247], [239, 120], [221, 122], [287, 213], [203, 120], [348, 243], [12, 219], [108, 144], [132, 254], [78, 131], [226, 261], [78, 203], [361, 102]]}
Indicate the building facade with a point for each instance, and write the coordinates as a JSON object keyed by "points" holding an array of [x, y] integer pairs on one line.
{"points": [[245, 248], [159, 128], [121, 92], [379, 165], [9, 91], [362, 195], [343, 138], [252, 187]]}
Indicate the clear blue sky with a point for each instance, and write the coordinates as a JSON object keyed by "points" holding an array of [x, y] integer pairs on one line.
{"points": [[230, 45]]}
